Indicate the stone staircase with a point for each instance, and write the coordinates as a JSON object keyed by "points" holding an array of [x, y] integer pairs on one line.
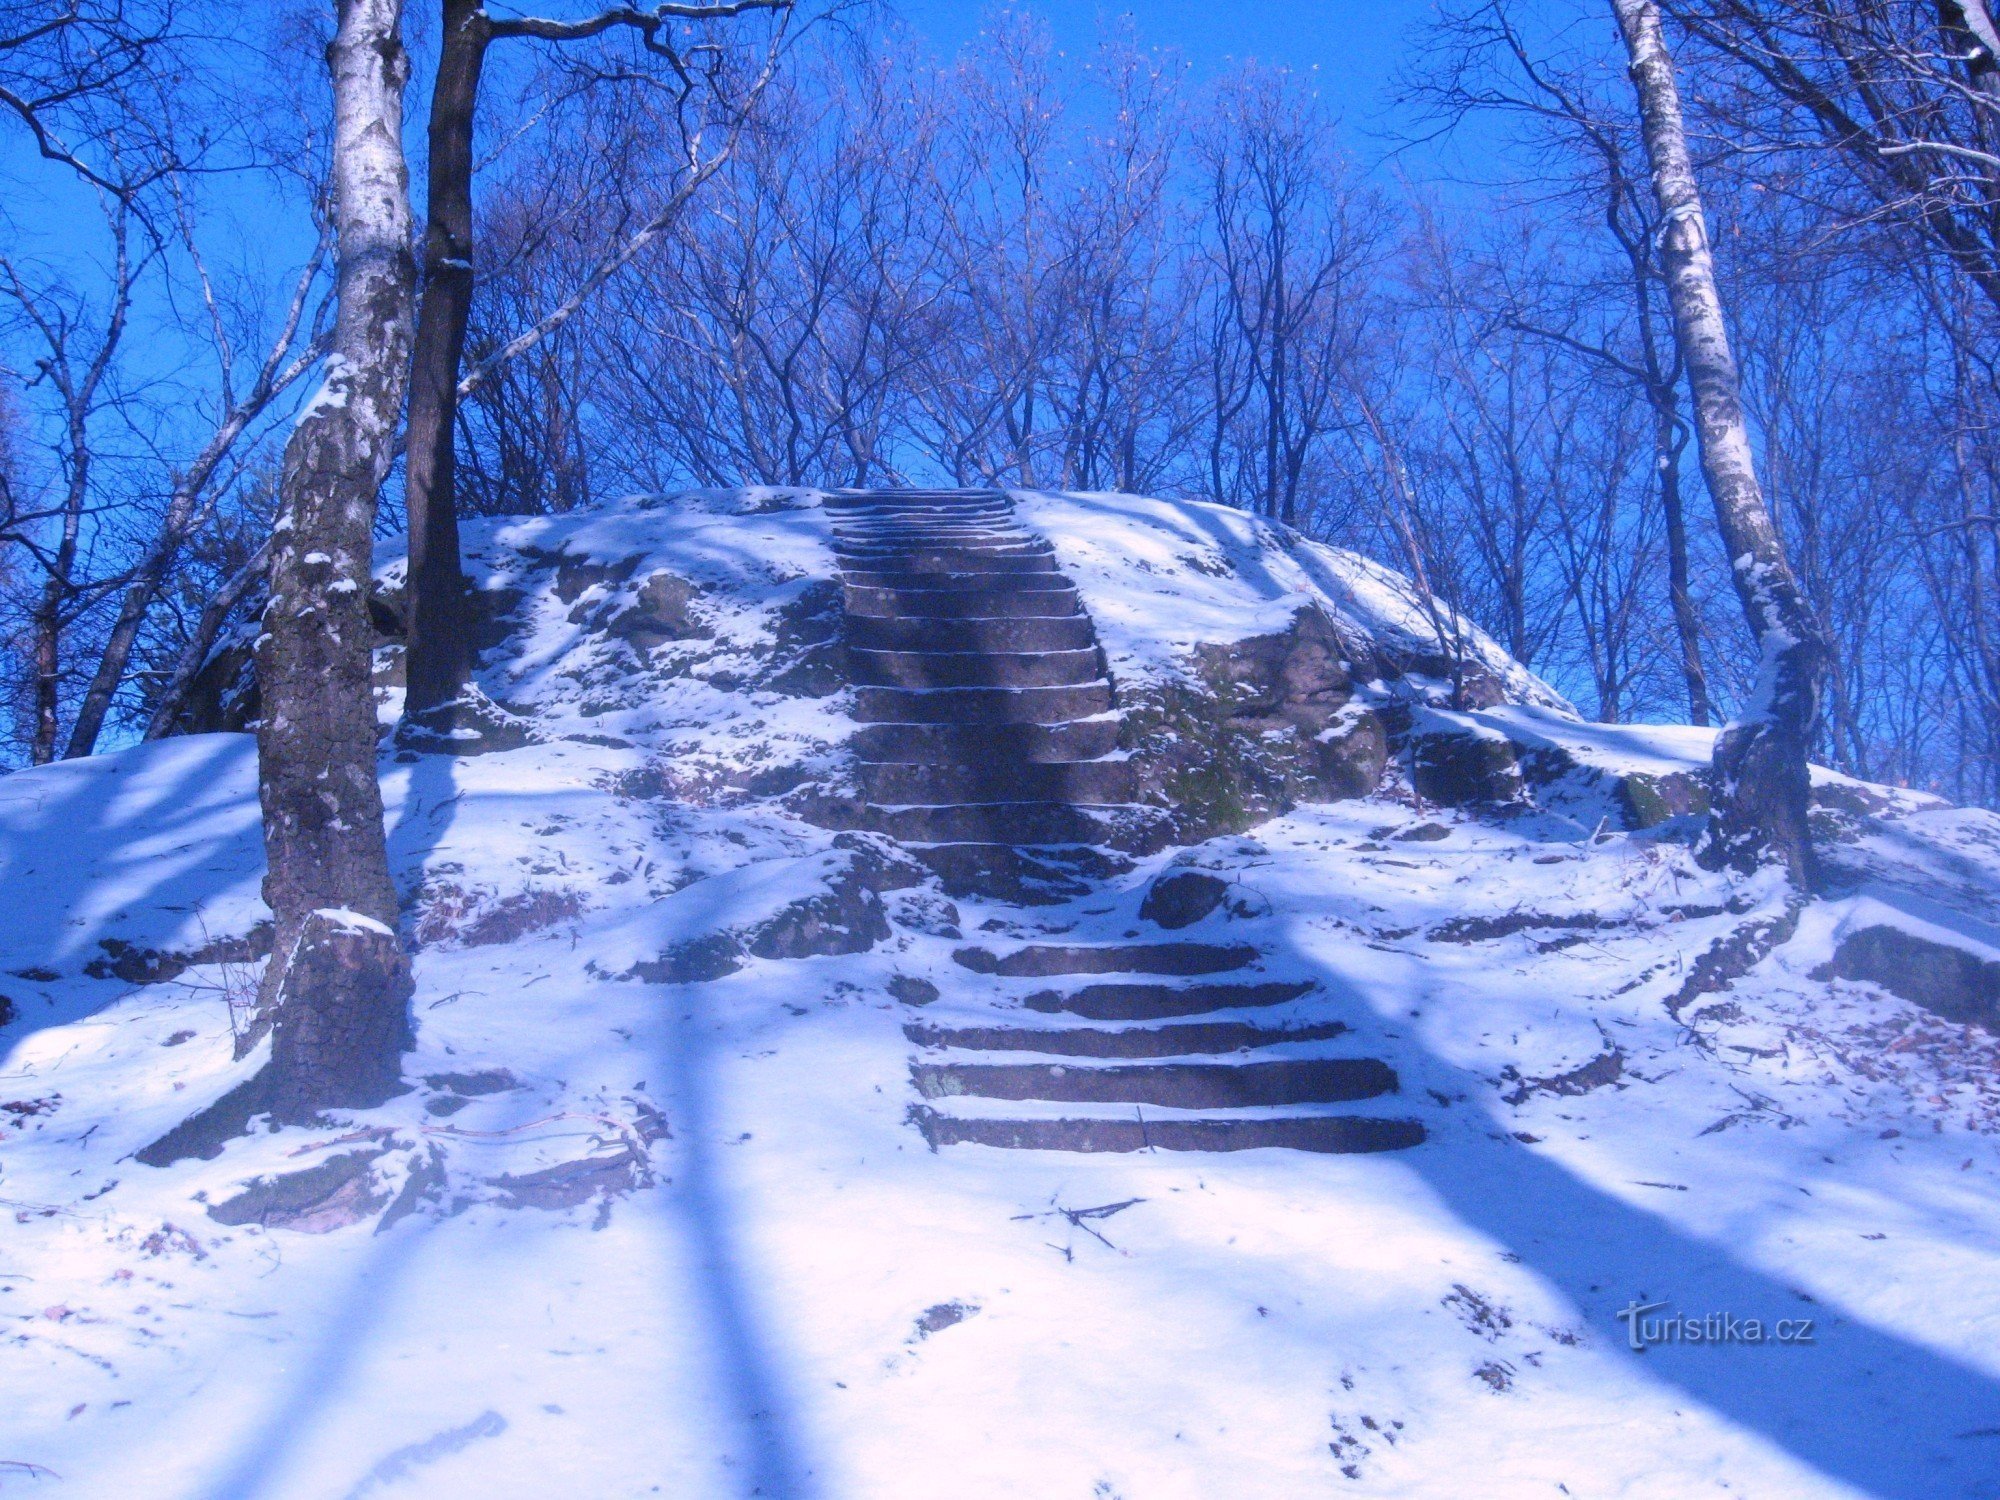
{"points": [[989, 748], [991, 744]]}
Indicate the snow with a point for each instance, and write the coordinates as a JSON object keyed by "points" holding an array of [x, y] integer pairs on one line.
{"points": [[1161, 577], [795, 1297]]}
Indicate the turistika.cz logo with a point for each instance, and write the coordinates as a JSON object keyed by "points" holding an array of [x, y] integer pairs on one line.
{"points": [[1643, 1332]]}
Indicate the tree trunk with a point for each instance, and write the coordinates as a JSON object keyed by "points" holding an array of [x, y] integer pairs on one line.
{"points": [[48, 663], [214, 614], [439, 655], [336, 991], [1762, 786], [1687, 624]]}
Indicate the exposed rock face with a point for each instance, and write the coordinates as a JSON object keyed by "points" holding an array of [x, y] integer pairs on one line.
{"points": [[845, 916], [1455, 768], [337, 1192], [1951, 982], [1264, 725], [122, 960], [586, 624]]}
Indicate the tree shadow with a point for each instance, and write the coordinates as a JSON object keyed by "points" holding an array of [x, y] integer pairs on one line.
{"points": [[140, 825], [1864, 1406], [744, 1361]]}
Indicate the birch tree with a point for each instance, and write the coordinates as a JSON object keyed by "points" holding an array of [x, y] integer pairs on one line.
{"points": [[1762, 780], [338, 984]]}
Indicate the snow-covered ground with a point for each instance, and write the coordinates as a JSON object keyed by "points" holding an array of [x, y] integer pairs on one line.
{"points": [[630, 1239]]}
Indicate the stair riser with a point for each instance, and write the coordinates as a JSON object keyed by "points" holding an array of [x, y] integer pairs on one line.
{"points": [[1044, 960], [877, 499], [1064, 633], [1085, 782], [1168, 1085], [1162, 1002], [921, 532], [1041, 581], [919, 669], [1133, 831], [1023, 876], [1052, 705], [937, 564], [1329, 1134], [1136, 1041], [952, 744], [961, 604], [943, 514]]}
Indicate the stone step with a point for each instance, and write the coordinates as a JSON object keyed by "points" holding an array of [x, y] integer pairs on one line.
{"points": [[1042, 960], [1087, 782], [1041, 580], [1131, 830], [981, 705], [970, 539], [960, 604], [1331, 1134], [1172, 1085], [954, 669], [1131, 1041], [1025, 875], [918, 500], [899, 497], [1061, 633], [983, 744], [933, 555], [939, 563], [997, 513], [1159, 1002], [933, 525]]}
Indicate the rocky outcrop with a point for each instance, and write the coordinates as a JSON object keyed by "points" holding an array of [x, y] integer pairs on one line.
{"points": [[1255, 729], [845, 915], [1948, 981]]}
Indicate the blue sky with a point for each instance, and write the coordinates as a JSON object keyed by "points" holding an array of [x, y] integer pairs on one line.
{"points": [[1353, 44]]}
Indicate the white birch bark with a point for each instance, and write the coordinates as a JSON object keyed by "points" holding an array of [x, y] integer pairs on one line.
{"points": [[338, 983], [1761, 777]]}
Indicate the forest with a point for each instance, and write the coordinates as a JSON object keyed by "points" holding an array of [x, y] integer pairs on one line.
{"points": [[810, 252]]}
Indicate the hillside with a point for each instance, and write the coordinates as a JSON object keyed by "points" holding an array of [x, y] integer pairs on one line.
{"points": [[688, 1195]]}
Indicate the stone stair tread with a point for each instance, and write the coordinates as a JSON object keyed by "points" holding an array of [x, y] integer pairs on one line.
{"points": [[1156, 1002], [964, 604], [1055, 633], [1025, 874], [1109, 782], [980, 705], [1187, 1085], [1038, 582], [1292, 1130], [921, 670], [1191, 1040], [941, 567], [1045, 960], [916, 744], [1127, 827]]}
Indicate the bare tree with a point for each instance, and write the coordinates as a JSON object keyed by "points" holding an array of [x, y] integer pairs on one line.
{"points": [[1579, 147], [336, 990], [1294, 244], [1761, 768], [439, 654]]}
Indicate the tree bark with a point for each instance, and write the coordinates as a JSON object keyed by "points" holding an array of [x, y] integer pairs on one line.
{"points": [[336, 991], [1762, 781], [439, 655], [1687, 623], [214, 615]]}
